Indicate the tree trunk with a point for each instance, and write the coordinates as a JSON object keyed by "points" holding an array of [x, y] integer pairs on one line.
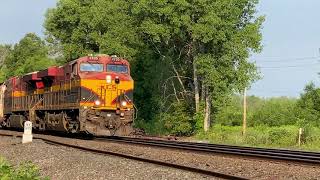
{"points": [[206, 124], [203, 91], [244, 124], [179, 79], [175, 91], [196, 86]]}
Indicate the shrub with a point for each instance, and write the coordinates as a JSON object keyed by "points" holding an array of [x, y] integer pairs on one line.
{"points": [[270, 112], [256, 136], [283, 136], [26, 171], [5, 169], [154, 127], [178, 121]]}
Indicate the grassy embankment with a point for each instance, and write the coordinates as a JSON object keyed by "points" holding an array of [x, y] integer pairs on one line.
{"points": [[272, 122], [263, 136]]}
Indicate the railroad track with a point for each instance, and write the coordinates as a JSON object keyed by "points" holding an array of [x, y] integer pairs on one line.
{"points": [[152, 161], [274, 154]]}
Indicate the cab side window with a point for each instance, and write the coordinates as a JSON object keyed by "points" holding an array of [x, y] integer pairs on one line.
{"points": [[74, 70]]}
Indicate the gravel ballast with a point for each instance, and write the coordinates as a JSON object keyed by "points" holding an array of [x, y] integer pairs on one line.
{"points": [[59, 162], [234, 165]]}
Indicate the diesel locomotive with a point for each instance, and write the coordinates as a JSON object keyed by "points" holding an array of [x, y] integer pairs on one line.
{"points": [[93, 94]]}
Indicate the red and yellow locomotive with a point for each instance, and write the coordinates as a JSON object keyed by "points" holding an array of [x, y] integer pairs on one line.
{"points": [[93, 94]]}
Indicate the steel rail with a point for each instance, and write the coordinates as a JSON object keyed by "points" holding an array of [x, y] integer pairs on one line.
{"points": [[156, 162], [227, 146], [295, 156]]}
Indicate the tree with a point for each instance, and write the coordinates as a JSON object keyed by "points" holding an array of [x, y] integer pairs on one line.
{"points": [[100, 26], [199, 48], [30, 54], [4, 51], [309, 105], [204, 40]]}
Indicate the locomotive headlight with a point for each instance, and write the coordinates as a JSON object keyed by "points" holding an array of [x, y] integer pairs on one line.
{"points": [[97, 103], [117, 80], [108, 79], [124, 103]]}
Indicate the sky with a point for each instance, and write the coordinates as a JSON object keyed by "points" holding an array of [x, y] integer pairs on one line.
{"points": [[18, 17], [290, 39], [290, 58]]}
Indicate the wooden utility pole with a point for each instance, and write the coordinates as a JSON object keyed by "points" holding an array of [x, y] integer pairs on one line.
{"points": [[196, 87], [299, 139], [206, 125], [244, 124]]}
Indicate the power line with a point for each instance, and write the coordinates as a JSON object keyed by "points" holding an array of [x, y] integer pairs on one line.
{"points": [[273, 91], [290, 59], [293, 66]]}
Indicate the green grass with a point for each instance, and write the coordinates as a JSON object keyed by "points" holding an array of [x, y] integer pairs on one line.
{"points": [[25, 171], [263, 136]]}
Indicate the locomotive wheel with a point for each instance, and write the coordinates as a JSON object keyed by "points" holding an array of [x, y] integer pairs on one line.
{"points": [[22, 123], [74, 128], [8, 124], [42, 126], [113, 132]]}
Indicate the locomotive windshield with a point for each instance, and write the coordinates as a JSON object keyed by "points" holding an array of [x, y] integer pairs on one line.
{"points": [[89, 67], [117, 68]]}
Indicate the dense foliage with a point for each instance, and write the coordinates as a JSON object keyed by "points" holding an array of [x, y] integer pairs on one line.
{"points": [[309, 106], [4, 51], [271, 112], [29, 55], [261, 111], [182, 52]]}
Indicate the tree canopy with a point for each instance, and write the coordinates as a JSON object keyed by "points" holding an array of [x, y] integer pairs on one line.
{"points": [[183, 52], [83, 27], [30, 54], [4, 51]]}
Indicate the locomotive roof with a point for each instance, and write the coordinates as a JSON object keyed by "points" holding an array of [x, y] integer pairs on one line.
{"points": [[102, 58], [56, 70]]}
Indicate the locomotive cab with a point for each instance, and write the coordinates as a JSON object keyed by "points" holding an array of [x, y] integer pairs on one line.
{"points": [[106, 94]]}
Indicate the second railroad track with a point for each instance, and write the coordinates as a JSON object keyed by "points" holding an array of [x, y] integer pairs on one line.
{"points": [[274, 154]]}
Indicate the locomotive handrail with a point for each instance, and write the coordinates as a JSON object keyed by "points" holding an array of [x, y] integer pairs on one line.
{"points": [[135, 112], [135, 116], [32, 110], [87, 100]]}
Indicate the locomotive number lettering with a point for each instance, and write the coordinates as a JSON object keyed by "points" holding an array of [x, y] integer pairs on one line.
{"points": [[112, 87]]}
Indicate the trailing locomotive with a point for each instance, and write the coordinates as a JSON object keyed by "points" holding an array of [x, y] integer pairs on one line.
{"points": [[93, 94]]}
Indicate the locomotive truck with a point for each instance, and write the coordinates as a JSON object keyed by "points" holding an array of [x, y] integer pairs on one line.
{"points": [[93, 94]]}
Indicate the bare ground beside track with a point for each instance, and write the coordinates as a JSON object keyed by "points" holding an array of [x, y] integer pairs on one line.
{"points": [[64, 163], [234, 165]]}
